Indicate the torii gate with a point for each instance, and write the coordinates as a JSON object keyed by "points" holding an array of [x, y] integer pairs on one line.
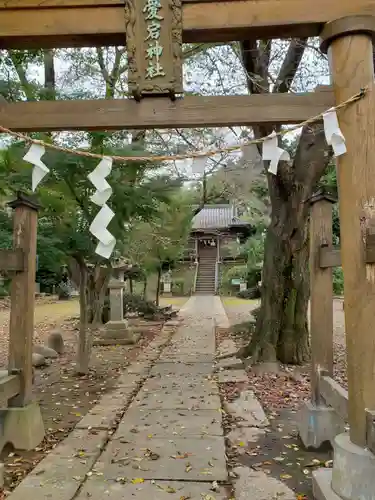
{"points": [[346, 28]]}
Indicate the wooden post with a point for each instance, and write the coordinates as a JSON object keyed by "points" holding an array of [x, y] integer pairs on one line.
{"points": [[350, 50], [321, 293], [21, 327]]}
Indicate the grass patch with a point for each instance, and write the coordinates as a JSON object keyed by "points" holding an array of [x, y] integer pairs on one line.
{"points": [[173, 301], [233, 301]]}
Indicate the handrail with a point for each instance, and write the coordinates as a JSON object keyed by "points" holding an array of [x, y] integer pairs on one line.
{"points": [[217, 276], [196, 275]]}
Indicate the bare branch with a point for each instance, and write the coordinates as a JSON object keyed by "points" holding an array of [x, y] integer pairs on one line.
{"points": [[27, 87], [103, 69], [290, 65]]}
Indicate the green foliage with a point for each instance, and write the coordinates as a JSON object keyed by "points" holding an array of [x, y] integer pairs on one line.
{"points": [[254, 276], [133, 304], [230, 250], [235, 272], [178, 286], [64, 195], [137, 304], [159, 242], [254, 250], [4, 292], [329, 183], [183, 279], [338, 281], [50, 257], [336, 224], [63, 292], [329, 180], [250, 293]]}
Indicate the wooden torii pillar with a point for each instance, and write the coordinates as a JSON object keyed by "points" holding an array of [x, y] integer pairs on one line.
{"points": [[349, 43], [22, 423]]}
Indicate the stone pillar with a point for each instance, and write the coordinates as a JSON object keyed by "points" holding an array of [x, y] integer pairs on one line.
{"points": [[167, 285], [117, 330], [116, 291], [349, 42]]}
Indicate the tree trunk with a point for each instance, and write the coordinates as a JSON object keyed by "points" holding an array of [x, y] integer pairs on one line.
{"points": [[281, 331], [131, 287], [145, 288], [84, 349], [158, 286], [93, 284], [97, 288], [49, 75]]}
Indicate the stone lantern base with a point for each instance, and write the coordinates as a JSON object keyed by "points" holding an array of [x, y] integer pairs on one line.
{"points": [[116, 333]]}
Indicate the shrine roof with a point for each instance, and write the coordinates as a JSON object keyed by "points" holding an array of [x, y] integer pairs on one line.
{"points": [[217, 216]]}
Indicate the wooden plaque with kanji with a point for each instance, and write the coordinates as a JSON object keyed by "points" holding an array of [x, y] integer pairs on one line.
{"points": [[154, 46]]}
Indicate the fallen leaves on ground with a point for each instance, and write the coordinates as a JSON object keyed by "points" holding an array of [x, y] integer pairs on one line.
{"points": [[138, 480], [63, 397]]}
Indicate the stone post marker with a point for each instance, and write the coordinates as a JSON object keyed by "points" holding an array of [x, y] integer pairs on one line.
{"points": [[116, 331], [167, 284], [116, 289]]}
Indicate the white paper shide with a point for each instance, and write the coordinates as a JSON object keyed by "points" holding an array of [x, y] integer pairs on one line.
{"points": [[334, 136], [40, 170], [99, 225], [273, 153]]}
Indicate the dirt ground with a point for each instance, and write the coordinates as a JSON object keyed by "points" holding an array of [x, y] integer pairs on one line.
{"points": [[64, 397], [281, 454], [239, 310]]}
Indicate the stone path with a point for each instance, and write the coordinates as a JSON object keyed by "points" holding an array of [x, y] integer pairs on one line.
{"points": [[158, 435]]}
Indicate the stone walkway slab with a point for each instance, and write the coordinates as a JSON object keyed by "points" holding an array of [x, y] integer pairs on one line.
{"points": [[248, 409], [204, 343], [129, 380], [182, 383], [178, 459], [190, 369], [59, 475], [104, 414], [187, 358], [256, 485], [140, 368], [230, 364], [155, 490], [170, 423], [176, 399], [227, 376], [227, 346]]}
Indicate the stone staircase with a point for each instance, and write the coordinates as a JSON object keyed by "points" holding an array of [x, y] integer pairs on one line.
{"points": [[205, 284]]}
